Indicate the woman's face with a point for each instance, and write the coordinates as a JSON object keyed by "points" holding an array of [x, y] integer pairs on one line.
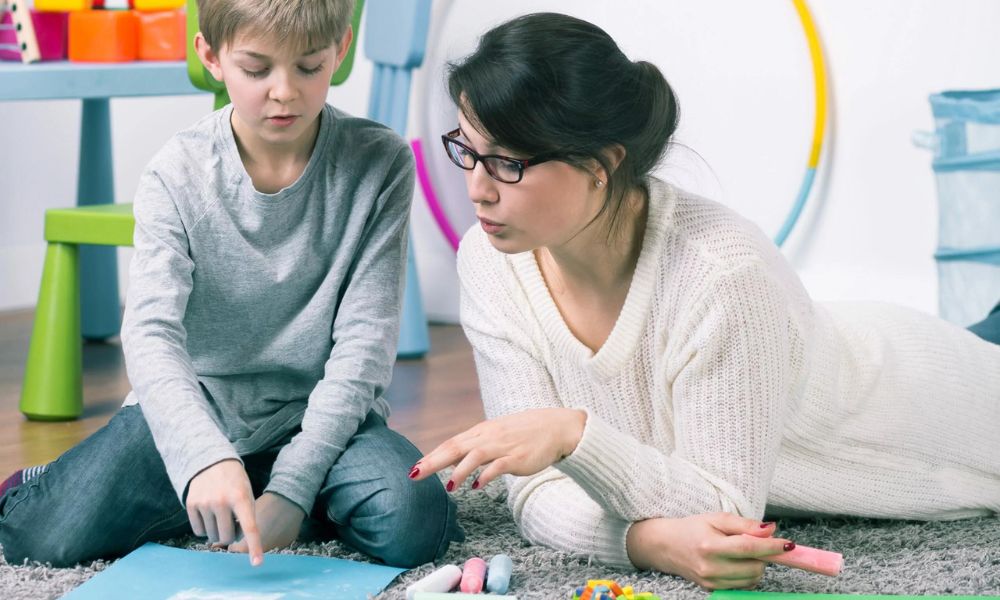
{"points": [[552, 203]]}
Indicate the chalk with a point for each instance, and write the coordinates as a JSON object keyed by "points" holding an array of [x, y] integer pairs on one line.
{"points": [[459, 596], [473, 574], [443, 580], [498, 575], [814, 560]]}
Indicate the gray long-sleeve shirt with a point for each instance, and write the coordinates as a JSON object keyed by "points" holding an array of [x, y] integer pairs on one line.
{"points": [[248, 314]]}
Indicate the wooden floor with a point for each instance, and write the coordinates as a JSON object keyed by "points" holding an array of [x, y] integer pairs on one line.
{"points": [[432, 398]]}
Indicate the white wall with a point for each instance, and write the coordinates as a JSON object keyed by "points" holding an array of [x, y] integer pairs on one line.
{"points": [[741, 71]]}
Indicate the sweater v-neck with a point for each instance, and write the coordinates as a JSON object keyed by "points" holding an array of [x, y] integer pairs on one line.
{"points": [[616, 350]]}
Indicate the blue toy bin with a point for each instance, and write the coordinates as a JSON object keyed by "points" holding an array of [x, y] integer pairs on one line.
{"points": [[967, 170]]}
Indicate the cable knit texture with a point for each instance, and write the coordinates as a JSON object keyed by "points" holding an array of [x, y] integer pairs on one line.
{"points": [[724, 387]]}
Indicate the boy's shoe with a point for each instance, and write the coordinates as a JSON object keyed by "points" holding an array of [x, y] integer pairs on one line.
{"points": [[12, 482], [20, 476]]}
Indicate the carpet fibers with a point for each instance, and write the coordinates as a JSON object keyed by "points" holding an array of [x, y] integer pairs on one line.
{"points": [[880, 557]]}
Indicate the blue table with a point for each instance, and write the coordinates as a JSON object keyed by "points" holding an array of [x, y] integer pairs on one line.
{"points": [[95, 84]]}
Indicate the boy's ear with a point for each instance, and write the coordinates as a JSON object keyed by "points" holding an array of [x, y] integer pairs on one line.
{"points": [[208, 56], [345, 44]]}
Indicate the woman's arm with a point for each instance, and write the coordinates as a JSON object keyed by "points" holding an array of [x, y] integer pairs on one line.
{"points": [[729, 393], [727, 401], [552, 509]]}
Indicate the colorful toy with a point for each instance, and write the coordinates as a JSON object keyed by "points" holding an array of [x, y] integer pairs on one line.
{"points": [[61, 5], [40, 37], [162, 35], [607, 589], [103, 36], [153, 5], [113, 4], [498, 575], [473, 576]]}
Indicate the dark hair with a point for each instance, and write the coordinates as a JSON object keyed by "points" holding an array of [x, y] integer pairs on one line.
{"points": [[548, 82]]}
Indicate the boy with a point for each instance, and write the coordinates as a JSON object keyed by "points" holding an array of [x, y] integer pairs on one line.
{"points": [[260, 325]]}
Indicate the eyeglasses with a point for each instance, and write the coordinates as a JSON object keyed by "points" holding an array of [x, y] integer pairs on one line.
{"points": [[502, 168]]}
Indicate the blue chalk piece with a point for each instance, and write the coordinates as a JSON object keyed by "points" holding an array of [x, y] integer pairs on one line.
{"points": [[498, 574]]}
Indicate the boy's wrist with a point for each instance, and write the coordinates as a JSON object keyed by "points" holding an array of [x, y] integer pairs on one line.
{"points": [[285, 502]]}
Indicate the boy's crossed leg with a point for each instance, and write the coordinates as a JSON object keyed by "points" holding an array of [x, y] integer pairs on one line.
{"points": [[101, 499]]}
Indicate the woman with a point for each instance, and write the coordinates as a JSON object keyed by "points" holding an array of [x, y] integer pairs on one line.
{"points": [[654, 373]]}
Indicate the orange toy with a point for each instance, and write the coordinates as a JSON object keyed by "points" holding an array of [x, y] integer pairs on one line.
{"points": [[103, 36], [158, 4], [61, 5], [162, 35]]}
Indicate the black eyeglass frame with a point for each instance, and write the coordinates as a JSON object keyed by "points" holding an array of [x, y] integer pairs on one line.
{"points": [[522, 163]]}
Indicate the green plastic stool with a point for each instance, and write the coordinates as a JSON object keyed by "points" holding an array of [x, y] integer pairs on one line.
{"points": [[53, 376]]}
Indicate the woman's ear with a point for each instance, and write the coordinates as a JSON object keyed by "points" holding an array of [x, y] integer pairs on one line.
{"points": [[613, 156], [208, 56]]}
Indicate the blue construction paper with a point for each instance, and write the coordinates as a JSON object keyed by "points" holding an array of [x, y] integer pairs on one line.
{"points": [[155, 571]]}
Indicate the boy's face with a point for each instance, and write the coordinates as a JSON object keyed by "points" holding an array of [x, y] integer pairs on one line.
{"points": [[277, 94]]}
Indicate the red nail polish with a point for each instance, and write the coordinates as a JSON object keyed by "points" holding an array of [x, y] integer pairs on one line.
{"points": [[789, 546], [475, 484], [766, 525], [414, 472], [450, 486]]}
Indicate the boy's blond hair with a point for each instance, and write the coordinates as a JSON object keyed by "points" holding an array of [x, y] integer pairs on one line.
{"points": [[305, 24]]}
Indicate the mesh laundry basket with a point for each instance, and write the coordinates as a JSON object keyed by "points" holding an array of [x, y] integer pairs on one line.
{"points": [[967, 170]]}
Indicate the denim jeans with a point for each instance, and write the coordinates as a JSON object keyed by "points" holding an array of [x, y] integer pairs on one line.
{"points": [[989, 328], [110, 494]]}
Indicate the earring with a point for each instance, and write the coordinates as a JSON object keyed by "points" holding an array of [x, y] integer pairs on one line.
{"points": [[598, 183]]}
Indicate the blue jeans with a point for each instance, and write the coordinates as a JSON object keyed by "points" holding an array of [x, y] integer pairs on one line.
{"points": [[110, 494], [989, 328]]}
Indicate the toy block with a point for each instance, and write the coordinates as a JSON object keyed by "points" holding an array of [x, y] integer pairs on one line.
{"points": [[61, 5], [103, 36], [153, 5], [114, 4], [28, 36], [162, 35]]}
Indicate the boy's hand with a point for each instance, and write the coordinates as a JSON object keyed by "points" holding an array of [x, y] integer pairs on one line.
{"points": [[217, 495], [280, 521], [707, 549]]}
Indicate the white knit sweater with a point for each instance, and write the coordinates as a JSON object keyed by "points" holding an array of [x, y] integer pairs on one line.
{"points": [[723, 387]]}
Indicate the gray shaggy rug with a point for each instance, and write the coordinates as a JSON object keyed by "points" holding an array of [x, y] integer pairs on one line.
{"points": [[880, 557]]}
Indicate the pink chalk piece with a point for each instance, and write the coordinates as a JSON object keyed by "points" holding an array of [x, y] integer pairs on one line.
{"points": [[50, 31], [473, 576], [814, 560]]}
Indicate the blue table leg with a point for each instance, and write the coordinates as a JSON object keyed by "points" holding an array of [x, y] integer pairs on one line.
{"points": [[99, 302], [414, 338], [387, 104]]}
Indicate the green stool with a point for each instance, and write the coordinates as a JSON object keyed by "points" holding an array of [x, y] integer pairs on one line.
{"points": [[53, 377]]}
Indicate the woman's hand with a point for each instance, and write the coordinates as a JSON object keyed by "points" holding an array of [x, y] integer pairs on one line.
{"points": [[218, 498], [522, 443], [707, 549]]}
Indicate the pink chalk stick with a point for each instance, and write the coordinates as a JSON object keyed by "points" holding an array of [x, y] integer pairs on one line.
{"points": [[815, 560], [473, 576], [809, 559]]}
